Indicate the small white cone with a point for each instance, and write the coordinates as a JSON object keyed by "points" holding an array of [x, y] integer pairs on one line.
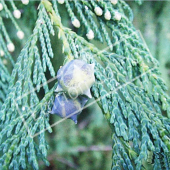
{"points": [[2, 53], [114, 2], [17, 14], [98, 11], [25, 2], [117, 16], [76, 23], [10, 47], [20, 35], [1, 7], [61, 1], [90, 35], [107, 15]]}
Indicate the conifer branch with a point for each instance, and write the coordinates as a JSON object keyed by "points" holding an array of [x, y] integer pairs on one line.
{"points": [[128, 87]]}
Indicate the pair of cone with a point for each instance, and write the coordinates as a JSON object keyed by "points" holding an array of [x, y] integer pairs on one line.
{"points": [[75, 79]]}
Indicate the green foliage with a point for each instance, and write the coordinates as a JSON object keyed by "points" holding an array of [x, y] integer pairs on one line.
{"points": [[84, 146], [128, 87], [151, 20], [4, 82]]}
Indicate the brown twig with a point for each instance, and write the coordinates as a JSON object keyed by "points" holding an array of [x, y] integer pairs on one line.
{"points": [[54, 157], [91, 148]]}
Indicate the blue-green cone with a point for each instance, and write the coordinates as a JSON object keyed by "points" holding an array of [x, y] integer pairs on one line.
{"points": [[64, 106], [76, 78]]}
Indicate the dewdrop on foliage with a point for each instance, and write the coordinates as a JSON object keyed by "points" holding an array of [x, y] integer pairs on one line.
{"points": [[1, 7], [20, 34], [61, 1], [76, 23], [25, 2], [90, 35], [17, 14], [107, 15], [98, 11], [117, 16], [10, 47], [2, 53], [114, 2]]}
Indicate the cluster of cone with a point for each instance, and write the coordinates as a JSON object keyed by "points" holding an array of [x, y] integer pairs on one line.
{"points": [[75, 79]]}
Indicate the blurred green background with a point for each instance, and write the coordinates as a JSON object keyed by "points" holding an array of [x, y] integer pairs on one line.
{"points": [[87, 145]]}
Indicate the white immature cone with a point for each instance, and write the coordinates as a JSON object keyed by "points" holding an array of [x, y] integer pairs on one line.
{"points": [[2, 53], [10, 47], [23, 108], [17, 14], [114, 2], [1, 7], [107, 15], [98, 11], [76, 23], [86, 8], [61, 1], [25, 2], [90, 35], [117, 16], [20, 35], [5, 62]]}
